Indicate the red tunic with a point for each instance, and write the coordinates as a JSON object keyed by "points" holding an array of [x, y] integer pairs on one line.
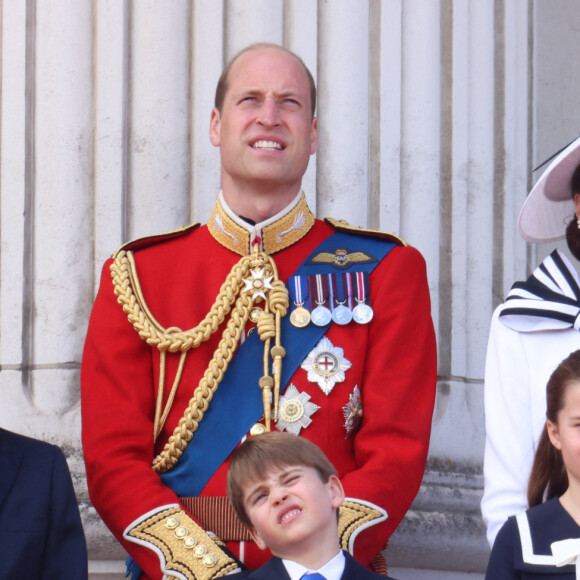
{"points": [[393, 363]]}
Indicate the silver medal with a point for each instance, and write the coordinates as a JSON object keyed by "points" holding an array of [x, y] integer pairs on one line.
{"points": [[342, 314], [321, 316], [362, 313]]}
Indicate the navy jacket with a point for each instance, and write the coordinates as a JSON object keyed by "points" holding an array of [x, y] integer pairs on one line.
{"points": [[41, 536], [523, 547], [274, 569]]}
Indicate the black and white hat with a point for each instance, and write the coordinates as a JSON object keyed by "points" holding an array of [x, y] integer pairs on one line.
{"points": [[549, 206]]}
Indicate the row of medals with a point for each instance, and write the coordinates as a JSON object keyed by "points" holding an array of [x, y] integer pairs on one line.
{"points": [[322, 315]]}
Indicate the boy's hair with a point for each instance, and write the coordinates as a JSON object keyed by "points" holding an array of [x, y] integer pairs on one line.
{"points": [[258, 455]]}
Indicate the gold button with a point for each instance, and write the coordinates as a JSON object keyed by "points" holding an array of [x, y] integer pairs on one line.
{"points": [[181, 532], [258, 429], [255, 314], [209, 561], [190, 542], [200, 551], [171, 523]]}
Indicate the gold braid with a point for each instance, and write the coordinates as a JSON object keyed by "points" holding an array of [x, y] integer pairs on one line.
{"points": [[232, 298]]}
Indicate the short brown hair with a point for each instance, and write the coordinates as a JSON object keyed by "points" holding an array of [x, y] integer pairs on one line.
{"points": [[222, 86], [258, 455]]}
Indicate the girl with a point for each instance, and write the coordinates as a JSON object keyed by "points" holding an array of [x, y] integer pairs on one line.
{"points": [[544, 541]]}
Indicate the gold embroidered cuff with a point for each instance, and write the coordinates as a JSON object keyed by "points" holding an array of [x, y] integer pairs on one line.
{"points": [[183, 547], [357, 515]]}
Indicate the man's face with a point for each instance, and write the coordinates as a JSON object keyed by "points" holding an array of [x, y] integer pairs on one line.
{"points": [[265, 130], [292, 510]]}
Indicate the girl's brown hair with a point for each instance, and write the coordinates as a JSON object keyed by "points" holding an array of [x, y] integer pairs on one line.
{"points": [[548, 478]]}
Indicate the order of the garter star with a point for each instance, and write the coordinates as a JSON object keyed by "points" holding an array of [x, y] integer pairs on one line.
{"points": [[326, 365]]}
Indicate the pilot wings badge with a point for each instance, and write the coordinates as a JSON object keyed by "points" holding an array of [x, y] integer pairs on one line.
{"points": [[341, 258]]}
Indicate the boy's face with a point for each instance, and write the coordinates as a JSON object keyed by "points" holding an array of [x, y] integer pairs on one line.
{"points": [[291, 509]]}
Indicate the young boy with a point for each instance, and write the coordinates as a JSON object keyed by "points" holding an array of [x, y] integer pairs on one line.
{"points": [[287, 493]]}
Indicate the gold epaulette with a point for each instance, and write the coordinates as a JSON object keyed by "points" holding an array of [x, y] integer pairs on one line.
{"points": [[146, 241], [344, 226]]}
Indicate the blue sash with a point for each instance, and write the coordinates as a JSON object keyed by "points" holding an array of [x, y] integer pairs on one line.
{"points": [[238, 404]]}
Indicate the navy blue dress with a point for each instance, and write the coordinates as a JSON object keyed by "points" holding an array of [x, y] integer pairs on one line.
{"points": [[522, 548]]}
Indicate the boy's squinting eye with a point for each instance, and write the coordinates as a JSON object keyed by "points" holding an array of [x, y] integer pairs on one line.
{"points": [[258, 497], [291, 479]]}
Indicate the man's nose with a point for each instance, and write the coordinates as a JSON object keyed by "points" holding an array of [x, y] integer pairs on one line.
{"points": [[269, 115]]}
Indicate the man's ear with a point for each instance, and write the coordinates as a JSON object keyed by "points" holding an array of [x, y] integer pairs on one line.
{"points": [[336, 491], [257, 538], [214, 127], [314, 136]]}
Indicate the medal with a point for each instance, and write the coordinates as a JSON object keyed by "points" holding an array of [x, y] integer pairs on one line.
{"points": [[362, 312], [341, 314], [321, 316], [295, 411], [353, 412], [326, 365], [299, 317], [318, 291]]}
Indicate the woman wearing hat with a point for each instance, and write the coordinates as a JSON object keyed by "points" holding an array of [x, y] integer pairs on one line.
{"points": [[531, 333]]}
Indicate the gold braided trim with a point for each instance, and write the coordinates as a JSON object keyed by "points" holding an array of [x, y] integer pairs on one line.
{"points": [[289, 229], [246, 284], [344, 226], [356, 516], [276, 236], [128, 292], [186, 547]]}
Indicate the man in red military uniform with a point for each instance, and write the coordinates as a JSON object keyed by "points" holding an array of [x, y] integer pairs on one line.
{"points": [[265, 318]]}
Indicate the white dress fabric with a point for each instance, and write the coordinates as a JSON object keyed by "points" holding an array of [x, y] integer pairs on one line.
{"points": [[520, 359]]}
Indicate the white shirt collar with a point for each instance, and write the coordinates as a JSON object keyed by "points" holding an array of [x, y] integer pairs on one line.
{"points": [[332, 570]]}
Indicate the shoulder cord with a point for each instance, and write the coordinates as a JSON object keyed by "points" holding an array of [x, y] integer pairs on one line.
{"points": [[237, 296]]}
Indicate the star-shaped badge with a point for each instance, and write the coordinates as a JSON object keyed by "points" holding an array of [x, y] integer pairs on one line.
{"points": [[326, 365], [295, 410], [353, 412], [258, 284]]}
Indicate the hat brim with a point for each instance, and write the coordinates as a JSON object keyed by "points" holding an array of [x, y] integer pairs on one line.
{"points": [[549, 206]]}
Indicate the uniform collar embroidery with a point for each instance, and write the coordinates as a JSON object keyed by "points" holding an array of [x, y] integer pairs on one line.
{"points": [[275, 234]]}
